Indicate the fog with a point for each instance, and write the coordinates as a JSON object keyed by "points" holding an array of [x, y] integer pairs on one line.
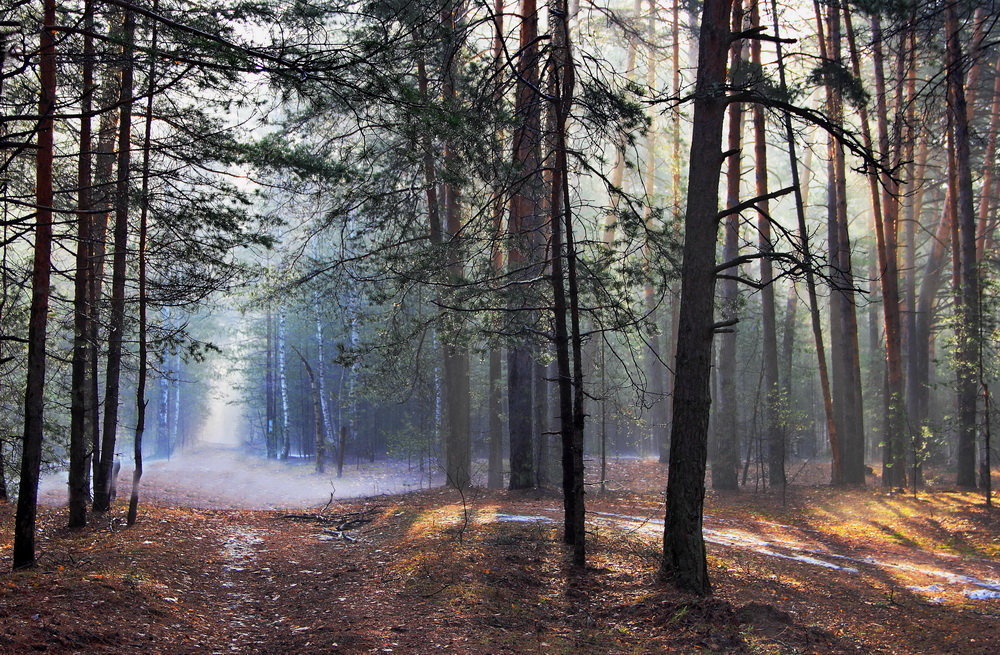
{"points": [[218, 470]]}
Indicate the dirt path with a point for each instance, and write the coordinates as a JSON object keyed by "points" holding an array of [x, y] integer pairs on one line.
{"points": [[430, 573]]}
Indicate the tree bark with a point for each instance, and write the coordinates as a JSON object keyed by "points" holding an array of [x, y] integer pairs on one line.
{"points": [[986, 220], [284, 438], [494, 477], [684, 560], [458, 452], [270, 399], [885, 210], [104, 200], [494, 473], [769, 329], [968, 327], [848, 466], [80, 426], [140, 395], [34, 396], [523, 229], [726, 455], [103, 482], [801, 191], [568, 340], [319, 440]]}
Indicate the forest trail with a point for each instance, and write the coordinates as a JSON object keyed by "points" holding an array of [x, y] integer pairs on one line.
{"points": [[218, 476], [851, 572]]}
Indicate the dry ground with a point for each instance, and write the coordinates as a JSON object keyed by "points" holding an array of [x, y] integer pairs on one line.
{"points": [[825, 572]]}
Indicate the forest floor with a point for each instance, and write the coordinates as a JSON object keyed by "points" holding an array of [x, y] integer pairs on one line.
{"points": [[824, 571]]}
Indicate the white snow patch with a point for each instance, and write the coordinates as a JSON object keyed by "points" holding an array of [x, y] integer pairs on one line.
{"points": [[521, 518], [982, 594]]}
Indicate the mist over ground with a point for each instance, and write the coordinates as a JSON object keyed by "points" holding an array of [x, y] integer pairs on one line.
{"points": [[218, 471], [219, 477]]}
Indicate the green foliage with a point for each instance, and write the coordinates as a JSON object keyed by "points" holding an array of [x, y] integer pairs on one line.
{"points": [[751, 76], [275, 153], [888, 8], [617, 111], [836, 76]]}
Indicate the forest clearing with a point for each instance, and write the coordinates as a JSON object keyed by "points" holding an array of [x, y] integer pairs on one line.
{"points": [[861, 572]]}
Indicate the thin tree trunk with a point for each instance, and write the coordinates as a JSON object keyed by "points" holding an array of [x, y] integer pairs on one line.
{"points": [[911, 217], [772, 390], [83, 350], [676, 202], [848, 454], [495, 403], [568, 341], [965, 219], [655, 370], [102, 199], [458, 451], [986, 220], [726, 455], [319, 440], [885, 211], [140, 396], [494, 473], [810, 265], [523, 229], [284, 439], [540, 399], [270, 400], [103, 482], [34, 398]]}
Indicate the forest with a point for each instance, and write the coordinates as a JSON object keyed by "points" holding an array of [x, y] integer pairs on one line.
{"points": [[499, 326]]}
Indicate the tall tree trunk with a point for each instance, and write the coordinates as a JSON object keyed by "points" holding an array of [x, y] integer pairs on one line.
{"points": [[104, 480], [34, 395], [848, 459], [140, 395], [270, 399], [965, 218], [669, 353], [319, 439], [769, 330], [523, 228], [494, 473], [726, 456], [810, 264], [885, 210], [916, 158], [541, 411], [4, 277], [684, 559], [284, 438], [80, 426], [655, 370], [568, 340], [985, 218], [103, 200], [458, 450], [494, 478]]}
